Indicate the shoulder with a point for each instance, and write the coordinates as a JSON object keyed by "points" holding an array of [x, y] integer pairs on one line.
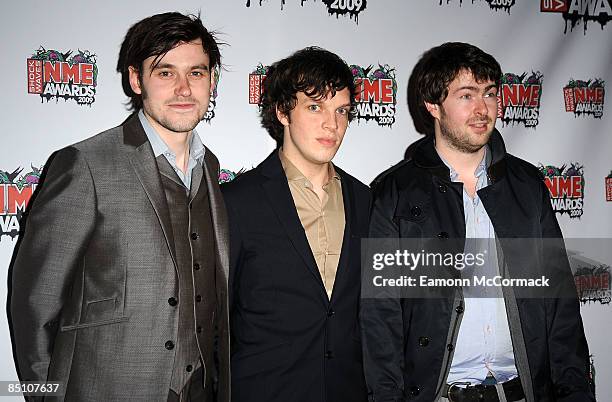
{"points": [[523, 170], [243, 184], [359, 188]]}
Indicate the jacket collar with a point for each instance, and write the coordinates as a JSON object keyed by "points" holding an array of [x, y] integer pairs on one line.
{"points": [[425, 156]]}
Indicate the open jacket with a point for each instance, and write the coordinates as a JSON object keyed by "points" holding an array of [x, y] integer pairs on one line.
{"points": [[416, 199], [290, 342], [95, 268]]}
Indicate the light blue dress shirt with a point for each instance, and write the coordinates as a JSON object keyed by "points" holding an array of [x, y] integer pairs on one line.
{"points": [[483, 344], [196, 150]]}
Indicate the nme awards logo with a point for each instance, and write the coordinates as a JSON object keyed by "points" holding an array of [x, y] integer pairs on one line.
{"points": [[585, 97], [352, 8], [256, 79], [609, 187], [493, 4], [574, 11], [15, 192], [376, 94], [519, 99], [593, 284], [53, 74], [566, 187]]}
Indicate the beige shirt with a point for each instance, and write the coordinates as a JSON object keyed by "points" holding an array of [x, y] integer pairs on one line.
{"points": [[322, 219]]}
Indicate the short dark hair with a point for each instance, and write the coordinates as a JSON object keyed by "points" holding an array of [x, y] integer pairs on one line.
{"points": [[157, 35], [313, 71], [436, 69]]}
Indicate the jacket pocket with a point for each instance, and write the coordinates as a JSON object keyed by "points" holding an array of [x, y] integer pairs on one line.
{"points": [[98, 312]]}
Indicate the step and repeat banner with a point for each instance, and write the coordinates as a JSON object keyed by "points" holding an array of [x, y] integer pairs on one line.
{"points": [[60, 86]]}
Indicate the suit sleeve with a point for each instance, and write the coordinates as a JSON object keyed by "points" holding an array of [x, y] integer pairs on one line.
{"points": [[381, 317], [567, 345], [235, 245], [58, 227]]}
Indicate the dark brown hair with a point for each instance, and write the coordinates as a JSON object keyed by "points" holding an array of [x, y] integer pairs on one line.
{"points": [[156, 36]]}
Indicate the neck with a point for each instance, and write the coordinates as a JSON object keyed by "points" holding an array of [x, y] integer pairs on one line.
{"points": [[178, 143], [464, 163], [317, 174]]}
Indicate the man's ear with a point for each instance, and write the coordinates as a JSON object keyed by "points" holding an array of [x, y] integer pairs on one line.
{"points": [[214, 76], [433, 109], [135, 80], [282, 117]]}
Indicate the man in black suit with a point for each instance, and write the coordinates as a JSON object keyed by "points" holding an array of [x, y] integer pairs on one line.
{"points": [[295, 227]]}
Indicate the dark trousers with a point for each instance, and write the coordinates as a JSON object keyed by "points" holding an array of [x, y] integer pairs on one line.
{"points": [[194, 391]]}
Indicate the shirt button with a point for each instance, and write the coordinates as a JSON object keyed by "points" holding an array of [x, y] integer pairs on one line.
{"points": [[198, 298], [189, 368], [331, 312], [169, 345], [329, 354], [194, 236], [442, 188], [459, 309], [450, 347], [414, 391], [199, 329], [196, 266], [443, 235], [423, 341], [415, 211], [172, 301]]}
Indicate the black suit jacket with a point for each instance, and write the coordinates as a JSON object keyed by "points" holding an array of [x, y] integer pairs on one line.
{"points": [[289, 342]]}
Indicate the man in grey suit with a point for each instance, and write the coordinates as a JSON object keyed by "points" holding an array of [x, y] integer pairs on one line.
{"points": [[119, 285]]}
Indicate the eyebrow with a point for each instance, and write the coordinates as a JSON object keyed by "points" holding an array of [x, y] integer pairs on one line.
{"points": [[475, 89], [168, 65]]}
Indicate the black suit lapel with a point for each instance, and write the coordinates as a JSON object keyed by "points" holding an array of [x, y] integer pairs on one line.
{"points": [[145, 166], [279, 196], [349, 208]]}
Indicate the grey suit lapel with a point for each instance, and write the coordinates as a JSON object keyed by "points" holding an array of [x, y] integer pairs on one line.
{"points": [[217, 211], [145, 166]]}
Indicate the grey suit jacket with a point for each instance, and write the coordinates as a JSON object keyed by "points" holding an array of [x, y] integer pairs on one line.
{"points": [[95, 268]]}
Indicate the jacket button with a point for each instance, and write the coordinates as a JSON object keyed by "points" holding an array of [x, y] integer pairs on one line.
{"points": [[194, 236], [198, 298], [415, 211], [459, 309], [189, 368], [450, 347], [442, 188], [329, 354], [414, 391], [196, 266], [331, 312], [423, 341], [443, 235], [172, 301], [199, 329], [169, 345]]}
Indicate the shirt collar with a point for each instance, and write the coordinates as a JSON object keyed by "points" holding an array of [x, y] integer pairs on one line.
{"points": [[480, 169], [294, 174], [196, 147]]}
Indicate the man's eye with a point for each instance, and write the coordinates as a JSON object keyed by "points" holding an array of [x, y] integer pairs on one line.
{"points": [[164, 73], [491, 95], [197, 73], [466, 96], [314, 108], [343, 111]]}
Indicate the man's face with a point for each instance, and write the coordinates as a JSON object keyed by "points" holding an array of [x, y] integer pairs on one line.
{"points": [[176, 91], [315, 128], [466, 118]]}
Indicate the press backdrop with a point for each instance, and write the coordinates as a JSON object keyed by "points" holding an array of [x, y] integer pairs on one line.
{"points": [[60, 86]]}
